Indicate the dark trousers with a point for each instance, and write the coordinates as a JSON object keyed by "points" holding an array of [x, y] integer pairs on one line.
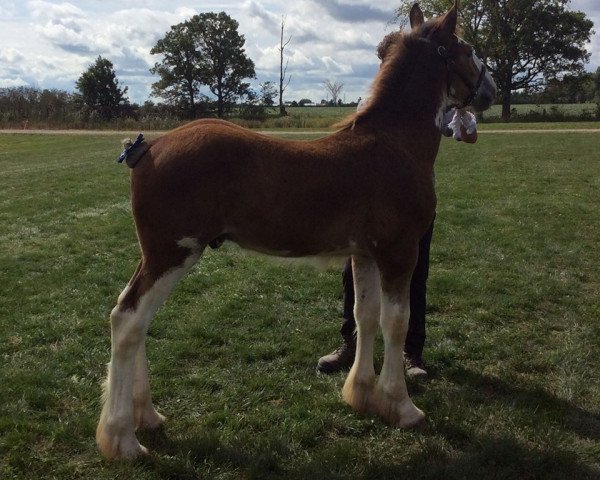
{"points": [[415, 338]]}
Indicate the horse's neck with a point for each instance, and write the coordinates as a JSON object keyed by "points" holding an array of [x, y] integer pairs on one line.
{"points": [[409, 104]]}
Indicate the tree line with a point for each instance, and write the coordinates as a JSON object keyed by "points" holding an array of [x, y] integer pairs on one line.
{"points": [[535, 49], [527, 44]]}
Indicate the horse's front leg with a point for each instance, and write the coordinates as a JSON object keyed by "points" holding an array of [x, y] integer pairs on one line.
{"points": [[391, 400], [358, 388]]}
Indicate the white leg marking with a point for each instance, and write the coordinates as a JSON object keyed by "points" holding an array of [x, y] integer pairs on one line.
{"points": [[115, 432], [392, 400], [145, 415], [361, 379], [190, 243], [123, 293]]}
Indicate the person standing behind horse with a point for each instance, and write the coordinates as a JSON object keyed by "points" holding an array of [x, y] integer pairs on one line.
{"points": [[462, 126]]}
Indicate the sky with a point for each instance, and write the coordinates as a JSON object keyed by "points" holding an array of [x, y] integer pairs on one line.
{"points": [[48, 44]]}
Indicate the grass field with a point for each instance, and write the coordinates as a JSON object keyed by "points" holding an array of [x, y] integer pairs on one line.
{"points": [[514, 387], [319, 117]]}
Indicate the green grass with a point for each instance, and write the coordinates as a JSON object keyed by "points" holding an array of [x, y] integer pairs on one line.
{"points": [[514, 390], [539, 126], [318, 117], [544, 112]]}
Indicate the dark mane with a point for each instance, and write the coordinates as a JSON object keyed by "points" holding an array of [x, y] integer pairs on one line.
{"points": [[400, 54]]}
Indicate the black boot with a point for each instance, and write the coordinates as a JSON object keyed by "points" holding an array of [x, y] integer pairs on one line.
{"points": [[414, 366], [340, 359]]}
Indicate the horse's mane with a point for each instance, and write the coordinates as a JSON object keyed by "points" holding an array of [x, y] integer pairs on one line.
{"points": [[399, 52], [395, 63]]}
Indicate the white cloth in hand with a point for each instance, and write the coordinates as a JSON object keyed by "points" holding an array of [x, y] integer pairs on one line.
{"points": [[464, 118]]}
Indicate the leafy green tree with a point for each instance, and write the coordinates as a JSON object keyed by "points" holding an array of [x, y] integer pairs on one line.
{"points": [[205, 50], [268, 92], [570, 89], [99, 91], [179, 69], [224, 64], [525, 42]]}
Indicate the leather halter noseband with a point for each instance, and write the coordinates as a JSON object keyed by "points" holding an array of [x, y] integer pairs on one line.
{"points": [[451, 67]]}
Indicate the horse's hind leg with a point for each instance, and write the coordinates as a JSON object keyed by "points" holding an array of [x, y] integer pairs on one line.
{"points": [[127, 391], [359, 384], [144, 413]]}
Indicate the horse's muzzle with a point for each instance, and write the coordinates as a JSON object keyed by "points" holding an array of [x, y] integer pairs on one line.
{"points": [[485, 95]]}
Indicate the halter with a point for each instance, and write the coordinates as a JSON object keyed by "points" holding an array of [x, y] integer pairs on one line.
{"points": [[451, 68]]}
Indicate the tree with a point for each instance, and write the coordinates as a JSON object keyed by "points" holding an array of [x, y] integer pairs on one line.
{"points": [[282, 70], [205, 50], [19, 104], [597, 88], [268, 92], [570, 89], [334, 90], [223, 61], [524, 42], [99, 90], [179, 70]]}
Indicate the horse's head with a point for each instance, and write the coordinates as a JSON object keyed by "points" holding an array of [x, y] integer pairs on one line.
{"points": [[469, 82]]}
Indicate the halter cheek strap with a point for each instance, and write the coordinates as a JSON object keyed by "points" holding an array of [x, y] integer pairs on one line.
{"points": [[451, 68]]}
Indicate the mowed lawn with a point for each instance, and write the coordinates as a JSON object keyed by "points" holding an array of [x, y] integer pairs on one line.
{"points": [[513, 346]]}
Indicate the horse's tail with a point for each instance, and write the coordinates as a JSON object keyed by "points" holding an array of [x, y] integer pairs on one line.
{"points": [[133, 151]]}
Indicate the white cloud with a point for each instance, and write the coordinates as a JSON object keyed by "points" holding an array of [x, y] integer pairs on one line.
{"points": [[41, 8], [12, 82], [336, 68], [11, 55], [592, 11], [50, 43], [8, 9]]}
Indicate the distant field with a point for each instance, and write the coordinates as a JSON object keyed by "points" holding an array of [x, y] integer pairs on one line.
{"points": [[512, 349], [574, 110], [324, 117], [318, 117]]}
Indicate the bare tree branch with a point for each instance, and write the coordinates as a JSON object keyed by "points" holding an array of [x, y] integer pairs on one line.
{"points": [[334, 89], [282, 69]]}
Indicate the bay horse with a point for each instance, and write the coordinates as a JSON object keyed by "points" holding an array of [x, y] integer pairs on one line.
{"points": [[366, 190]]}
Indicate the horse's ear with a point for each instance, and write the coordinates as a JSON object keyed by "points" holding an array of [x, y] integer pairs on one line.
{"points": [[416, 16], [448, 24]]}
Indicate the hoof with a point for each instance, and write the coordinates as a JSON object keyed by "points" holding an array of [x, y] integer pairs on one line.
{"points": [[148, 419], [358, 394], [398, 413], [119, 446]]}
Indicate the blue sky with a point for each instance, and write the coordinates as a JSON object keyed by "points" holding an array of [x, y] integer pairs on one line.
{"points": [[48, 44]]}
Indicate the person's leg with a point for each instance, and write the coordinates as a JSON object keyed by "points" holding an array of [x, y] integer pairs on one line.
{"points": [[343, 357], [348, 330], [415, 338]]}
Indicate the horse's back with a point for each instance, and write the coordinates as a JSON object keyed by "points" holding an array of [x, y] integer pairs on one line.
{"points": [[266, 192]]}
